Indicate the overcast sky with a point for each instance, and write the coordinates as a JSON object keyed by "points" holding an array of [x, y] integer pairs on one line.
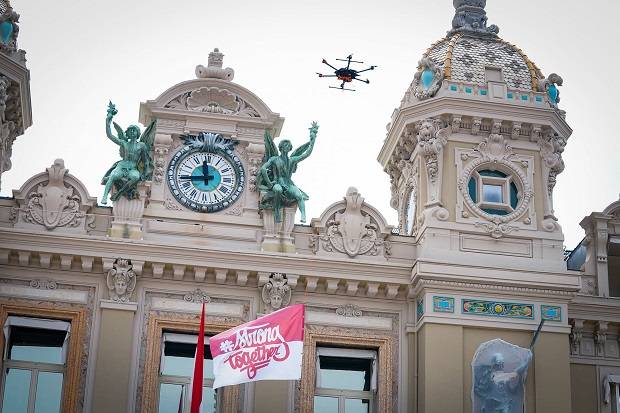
{"points": [[83, 53]]}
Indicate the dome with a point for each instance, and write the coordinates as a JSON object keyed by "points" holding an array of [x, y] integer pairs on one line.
{"points": [[465, 57], [472, 54]]}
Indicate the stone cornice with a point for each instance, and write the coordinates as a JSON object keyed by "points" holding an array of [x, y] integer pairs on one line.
{"points": [[595, 308], [469, 107], [457, 286], [347, 276]]}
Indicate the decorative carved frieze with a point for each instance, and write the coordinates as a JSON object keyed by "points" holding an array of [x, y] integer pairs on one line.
{"points": [[121, 281], [276, 293], [213, 100], [349, 310], [44, 284], [197, 296]]}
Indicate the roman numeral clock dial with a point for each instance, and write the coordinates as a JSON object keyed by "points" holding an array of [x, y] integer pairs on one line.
{"points": [[206, 175]]}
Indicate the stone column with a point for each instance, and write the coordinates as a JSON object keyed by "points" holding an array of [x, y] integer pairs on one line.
{"points": [[111, 389]]}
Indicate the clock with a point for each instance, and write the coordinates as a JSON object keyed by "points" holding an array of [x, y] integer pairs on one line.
{"points": [[206, 175]]}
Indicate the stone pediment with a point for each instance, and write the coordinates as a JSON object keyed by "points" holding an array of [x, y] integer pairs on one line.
{"points": [[53, 200], [212, 97], [351, 227]]}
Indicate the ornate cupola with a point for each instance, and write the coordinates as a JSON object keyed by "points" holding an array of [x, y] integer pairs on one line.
{"points": [[475, 146]]}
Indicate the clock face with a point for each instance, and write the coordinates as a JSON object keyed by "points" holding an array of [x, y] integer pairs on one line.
{"points": [[206, 181], [410, 213]]}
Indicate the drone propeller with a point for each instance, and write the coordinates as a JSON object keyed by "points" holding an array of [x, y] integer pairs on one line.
{"points": [[365, 70], [325, 63], [322, 75]]}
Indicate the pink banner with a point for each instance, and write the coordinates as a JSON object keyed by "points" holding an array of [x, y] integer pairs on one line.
{"points": [[269, 348]]}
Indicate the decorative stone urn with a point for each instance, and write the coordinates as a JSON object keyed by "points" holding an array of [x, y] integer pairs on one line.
{"points": [[277, 236], [127, 221]]}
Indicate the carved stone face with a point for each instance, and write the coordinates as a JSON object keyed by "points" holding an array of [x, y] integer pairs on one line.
{"points": [[276, 298], [120, 286]]}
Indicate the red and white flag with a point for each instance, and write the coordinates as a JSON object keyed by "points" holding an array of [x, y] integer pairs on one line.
{"points": [[197, 379], [268, 348]]}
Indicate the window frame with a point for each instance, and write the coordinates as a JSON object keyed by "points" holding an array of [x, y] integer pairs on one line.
{"points": [[382, 343], [228, 400], [342, 394], [180, 380], [503, 182], [72, 367]]}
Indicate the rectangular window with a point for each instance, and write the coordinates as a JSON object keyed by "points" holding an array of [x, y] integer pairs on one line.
{"points": [[346, 380], [176, 371], [34, 363], [493, 74]]}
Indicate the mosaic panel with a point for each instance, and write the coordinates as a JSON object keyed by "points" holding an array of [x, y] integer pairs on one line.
{"points": [[420, 309], [497, 309], [551, 312], [443, 304]]}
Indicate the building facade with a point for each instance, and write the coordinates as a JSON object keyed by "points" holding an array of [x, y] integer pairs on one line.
{"points": [[100, 305]]}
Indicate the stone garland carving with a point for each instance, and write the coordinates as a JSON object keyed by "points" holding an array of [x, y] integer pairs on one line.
{"points": [[197, 296], [494, 150], [255, 164], [11, 124], [213, 100], [121, 281], [551, 148], [432, 137], [276, 293], [160, 164], [54, 204], [427, 80], [349, 310], [44, 284]]}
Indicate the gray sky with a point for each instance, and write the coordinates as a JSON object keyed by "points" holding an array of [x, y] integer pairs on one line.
{"points": [[83, 53]]}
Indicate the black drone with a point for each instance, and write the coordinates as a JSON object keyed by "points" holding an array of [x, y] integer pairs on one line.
{"points": [[346, 74]]}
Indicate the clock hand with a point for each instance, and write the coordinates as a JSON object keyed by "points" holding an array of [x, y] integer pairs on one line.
{"points": [[205, 171], [191, 177]]}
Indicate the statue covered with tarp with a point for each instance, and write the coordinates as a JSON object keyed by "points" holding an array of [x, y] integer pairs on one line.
{"points": [[274, 177], [136, 164]]}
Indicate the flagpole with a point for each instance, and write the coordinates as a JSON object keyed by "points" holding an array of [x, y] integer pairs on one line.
{"points": [[197, 378]]}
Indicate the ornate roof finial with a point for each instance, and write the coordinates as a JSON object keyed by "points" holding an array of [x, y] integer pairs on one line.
{"points": [[471, 18], [214, 68]]}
